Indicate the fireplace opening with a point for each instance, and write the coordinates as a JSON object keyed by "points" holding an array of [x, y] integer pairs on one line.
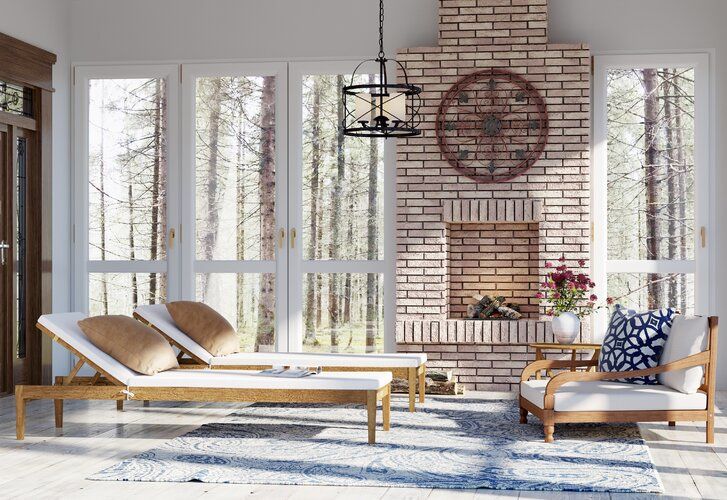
{"points": [[499, 260]]}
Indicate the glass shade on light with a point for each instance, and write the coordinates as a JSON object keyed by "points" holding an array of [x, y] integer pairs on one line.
{"points": [[368, 107]]}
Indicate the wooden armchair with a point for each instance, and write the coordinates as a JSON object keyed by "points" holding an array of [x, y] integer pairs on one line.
{"points": [[591, 396]]}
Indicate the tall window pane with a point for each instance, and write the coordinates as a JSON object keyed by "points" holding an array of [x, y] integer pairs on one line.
{"points": [[127, 169], [235, 168], [650, 182], [343, 179]]}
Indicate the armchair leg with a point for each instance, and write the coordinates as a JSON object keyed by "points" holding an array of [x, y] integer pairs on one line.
{"points": [[119, 404], [672, 423], [710, 429], [549, 430], [523, 415]]}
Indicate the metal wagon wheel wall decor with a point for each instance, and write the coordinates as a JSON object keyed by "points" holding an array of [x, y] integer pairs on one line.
{"points": [[492, 126]]}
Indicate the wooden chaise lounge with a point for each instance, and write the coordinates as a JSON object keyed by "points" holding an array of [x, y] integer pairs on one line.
{"points": [[411, 366], [593, 396], [115, 381]]}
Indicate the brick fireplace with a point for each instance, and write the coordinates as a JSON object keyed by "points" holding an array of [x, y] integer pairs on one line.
{"points": [[456, 237]]}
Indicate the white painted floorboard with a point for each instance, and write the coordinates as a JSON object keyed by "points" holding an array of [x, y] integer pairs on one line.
{"points": [[54, 464]]}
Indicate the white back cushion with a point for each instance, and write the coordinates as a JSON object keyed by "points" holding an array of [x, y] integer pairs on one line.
{"points": [[65, 326], [688, 336], [157, 315]]}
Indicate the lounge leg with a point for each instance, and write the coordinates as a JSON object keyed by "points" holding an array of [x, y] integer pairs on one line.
{"points": [[386, 409], [371, 410], [672, 423], [412, 388], [422, 382], [549, 431], [146, 402], [58, 407], [710, 428], [523, 415], [119, 404], [19, 413]]}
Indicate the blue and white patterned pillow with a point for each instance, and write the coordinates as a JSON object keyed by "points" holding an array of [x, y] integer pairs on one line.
{"points": [[634, 341]]}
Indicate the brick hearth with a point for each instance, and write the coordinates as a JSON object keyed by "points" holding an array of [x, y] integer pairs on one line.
{"points": [[446, 222]]}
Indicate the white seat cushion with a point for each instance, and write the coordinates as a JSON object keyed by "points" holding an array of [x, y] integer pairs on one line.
{"points": [[321, 359], [612, 396], [232, 379], [65, 326], [157, 315]]}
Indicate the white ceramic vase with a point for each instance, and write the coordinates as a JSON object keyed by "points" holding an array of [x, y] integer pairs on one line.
{"points": [[566, 327]]}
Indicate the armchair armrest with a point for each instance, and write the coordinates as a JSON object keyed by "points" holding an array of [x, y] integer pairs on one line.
{"points": [[546, 364], [700, 359]]}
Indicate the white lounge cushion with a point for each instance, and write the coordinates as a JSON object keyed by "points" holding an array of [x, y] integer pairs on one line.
{"points": [[321, 359], [612, 396], [65, 326], [232, 379], [688, 336], [157, 315]]}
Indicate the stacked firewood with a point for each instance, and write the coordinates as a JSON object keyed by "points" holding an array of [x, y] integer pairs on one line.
{"points": [[436, 382], [497, 307]]}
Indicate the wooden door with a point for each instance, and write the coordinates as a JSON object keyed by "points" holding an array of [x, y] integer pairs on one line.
{"points": [[6, 339]]}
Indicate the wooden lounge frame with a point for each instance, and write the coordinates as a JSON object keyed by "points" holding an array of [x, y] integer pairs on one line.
{"points": [[550, 417], [188, 359], [104, 386]]}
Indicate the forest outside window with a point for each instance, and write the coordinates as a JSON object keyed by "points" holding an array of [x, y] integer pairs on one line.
{"points": [[651, 181]]}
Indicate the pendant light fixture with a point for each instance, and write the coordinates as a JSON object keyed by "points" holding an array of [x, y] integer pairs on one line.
{"points": [[377, 108]]}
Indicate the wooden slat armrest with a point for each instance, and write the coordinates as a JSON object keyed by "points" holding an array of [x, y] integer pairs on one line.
{"points": [[563, 378], [550, 364]]}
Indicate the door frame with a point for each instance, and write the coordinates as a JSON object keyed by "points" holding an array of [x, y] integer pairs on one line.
{"points": [[82, 266], [298, 266], [190, 266], [704, 194]]}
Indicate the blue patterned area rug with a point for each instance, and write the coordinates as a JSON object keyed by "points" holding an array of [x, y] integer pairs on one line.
{"points": [[448, 443]]}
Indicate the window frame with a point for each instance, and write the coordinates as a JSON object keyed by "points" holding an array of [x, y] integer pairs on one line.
{"points": [[82, 266], [704, 175]]}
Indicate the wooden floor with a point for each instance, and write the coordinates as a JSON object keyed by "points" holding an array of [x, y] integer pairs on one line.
{"points": [[51, 464]]}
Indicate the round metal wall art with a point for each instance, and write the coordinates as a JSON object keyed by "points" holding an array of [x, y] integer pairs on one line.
{"points": [[492, 126]]}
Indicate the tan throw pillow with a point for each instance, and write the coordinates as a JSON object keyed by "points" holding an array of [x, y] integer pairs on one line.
{"points": [[205, 326], [131, 343]]}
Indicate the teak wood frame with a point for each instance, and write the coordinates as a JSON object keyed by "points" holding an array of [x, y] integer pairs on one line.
{"points": [[104, 386], [549, 416], [412, 374]]}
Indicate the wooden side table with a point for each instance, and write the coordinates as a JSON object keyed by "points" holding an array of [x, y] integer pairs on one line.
{"points": [[540, 349]]}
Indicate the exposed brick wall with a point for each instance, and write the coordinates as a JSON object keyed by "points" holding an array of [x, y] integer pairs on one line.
{"points": [[478, 34], [493, 259]]}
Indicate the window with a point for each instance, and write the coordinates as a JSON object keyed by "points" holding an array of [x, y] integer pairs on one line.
{"points": [[651, 179], [125, 156], [277, 222]]}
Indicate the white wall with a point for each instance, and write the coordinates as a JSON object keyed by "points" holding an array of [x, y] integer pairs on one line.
{"points": [[45, 23], [238, 29], [159, 30]]}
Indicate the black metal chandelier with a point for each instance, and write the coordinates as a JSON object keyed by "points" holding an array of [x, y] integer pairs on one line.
{"points": [[378, 108]]}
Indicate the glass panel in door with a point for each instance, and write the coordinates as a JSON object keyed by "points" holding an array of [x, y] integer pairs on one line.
{"points": [[342, 225], [236, 212], [128, 176], [651, 185]]}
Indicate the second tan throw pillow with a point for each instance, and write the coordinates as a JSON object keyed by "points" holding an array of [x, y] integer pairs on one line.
{"points": [[131, 343], [205, 326]]}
